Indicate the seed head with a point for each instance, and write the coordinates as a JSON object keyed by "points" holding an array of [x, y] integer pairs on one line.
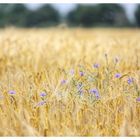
{"points": [[116, 59]]}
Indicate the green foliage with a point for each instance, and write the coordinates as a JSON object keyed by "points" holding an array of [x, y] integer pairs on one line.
{"points": [[19, 15], [101, 14], [84, 15], [137, 15], [44, 16], [13, 14]]}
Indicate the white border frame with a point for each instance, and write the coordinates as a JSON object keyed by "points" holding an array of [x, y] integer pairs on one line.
{"points": [[69, 1]]}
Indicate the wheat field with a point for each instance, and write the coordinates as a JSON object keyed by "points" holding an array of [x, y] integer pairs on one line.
{"points": [[69, 82]]}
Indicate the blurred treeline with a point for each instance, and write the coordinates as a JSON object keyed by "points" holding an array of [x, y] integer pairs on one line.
{"points": [[106, 15]]}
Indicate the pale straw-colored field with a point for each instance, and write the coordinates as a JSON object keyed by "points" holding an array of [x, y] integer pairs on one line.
{"points": [[69, 82]]}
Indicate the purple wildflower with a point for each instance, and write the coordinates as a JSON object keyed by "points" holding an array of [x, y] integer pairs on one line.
{"points": [[43, 94], [96, 66], [94, 91], [130, 80], [63, 82], [12, 92], [41, 103], [117, 75], [138, 99], [81, 73], [72, 71]]}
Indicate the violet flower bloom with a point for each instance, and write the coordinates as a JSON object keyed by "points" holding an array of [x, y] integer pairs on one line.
{"points": [[63, 82], [81, 73], [72, 71], [117, 75], [130, 80], [96, 66], [41, 103], [95, 92], [138, 99], [12, 92], [43, 94]]}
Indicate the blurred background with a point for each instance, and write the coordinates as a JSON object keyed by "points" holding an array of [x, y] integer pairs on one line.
{"points": [[72, 15]]}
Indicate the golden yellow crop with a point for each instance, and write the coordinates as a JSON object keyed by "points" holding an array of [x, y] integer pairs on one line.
{"points": [[69, 82]]}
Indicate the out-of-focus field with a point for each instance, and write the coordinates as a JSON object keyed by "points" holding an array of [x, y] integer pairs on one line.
{"points": [[69, 82]]}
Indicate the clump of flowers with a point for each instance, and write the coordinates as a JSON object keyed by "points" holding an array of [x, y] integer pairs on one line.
{"points": [[95, 92]]}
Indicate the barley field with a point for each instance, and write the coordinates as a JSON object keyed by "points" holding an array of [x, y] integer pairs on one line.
{"points": [[69, 82]]}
